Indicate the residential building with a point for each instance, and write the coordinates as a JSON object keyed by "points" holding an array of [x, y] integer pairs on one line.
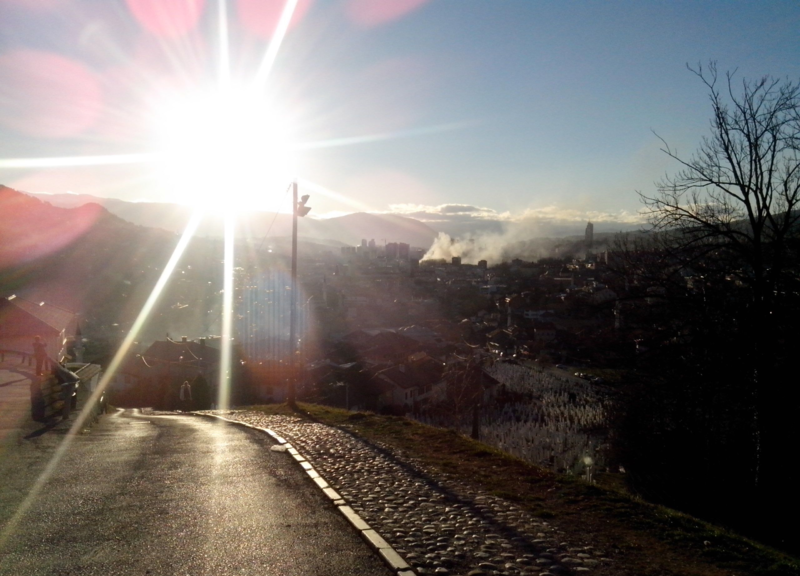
{"points": [[22, 319]]}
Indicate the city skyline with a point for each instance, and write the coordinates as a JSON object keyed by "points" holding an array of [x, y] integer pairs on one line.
{"points": [[471, 112]]}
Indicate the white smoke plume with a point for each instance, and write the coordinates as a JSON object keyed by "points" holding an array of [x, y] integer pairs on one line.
{"points": [[525, 241], [494, 248], [476, 233]]}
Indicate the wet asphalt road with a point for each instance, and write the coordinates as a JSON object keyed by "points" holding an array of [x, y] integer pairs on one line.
{"points": [[172, 495]]}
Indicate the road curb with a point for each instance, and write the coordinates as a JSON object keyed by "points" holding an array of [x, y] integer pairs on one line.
{"points": [[376, 542]]}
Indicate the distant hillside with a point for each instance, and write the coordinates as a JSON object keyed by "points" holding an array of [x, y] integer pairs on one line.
{"points": [[31, 229], [344, 230], [71, 255], [93, 262], [382, 228]]}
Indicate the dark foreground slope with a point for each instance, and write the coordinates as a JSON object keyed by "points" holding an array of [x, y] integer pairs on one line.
{"points": [[643, 539]]}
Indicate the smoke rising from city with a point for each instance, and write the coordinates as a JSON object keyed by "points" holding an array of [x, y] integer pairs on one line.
{"points": [[529, 240]]}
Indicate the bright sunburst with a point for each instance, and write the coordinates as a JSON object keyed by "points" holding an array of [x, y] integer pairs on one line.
{"points": [[226, 150], [223, 146]]}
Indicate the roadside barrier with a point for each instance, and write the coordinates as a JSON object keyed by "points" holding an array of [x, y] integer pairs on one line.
{"points": [[24, 357], [57, 392]]}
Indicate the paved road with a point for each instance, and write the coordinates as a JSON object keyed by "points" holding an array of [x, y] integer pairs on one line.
{"points": [[172, 495], [15, 401]]}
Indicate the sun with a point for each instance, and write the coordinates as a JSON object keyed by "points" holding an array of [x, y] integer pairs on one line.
{"points": [[223, 150]]}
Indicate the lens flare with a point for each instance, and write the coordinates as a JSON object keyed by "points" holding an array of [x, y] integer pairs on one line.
{"points": [[275, 43], [261, 18], [375, 12], [47, 95], [167, 18]]}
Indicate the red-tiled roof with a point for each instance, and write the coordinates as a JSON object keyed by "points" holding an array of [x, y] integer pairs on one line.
{"points": [[54, 316]]}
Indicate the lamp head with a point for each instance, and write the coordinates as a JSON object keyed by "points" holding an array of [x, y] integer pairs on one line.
{"points": [[301, 208]]}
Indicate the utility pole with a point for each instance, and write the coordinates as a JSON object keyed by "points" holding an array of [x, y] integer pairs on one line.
{"points": [[299, 209]]}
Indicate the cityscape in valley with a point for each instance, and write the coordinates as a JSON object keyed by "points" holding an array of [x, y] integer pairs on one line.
{"points": [[518, 294], [549, 358]]}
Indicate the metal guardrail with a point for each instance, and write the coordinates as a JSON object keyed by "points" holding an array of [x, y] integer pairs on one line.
{"points": [[57, 393], [89, 375], [25, 357]]}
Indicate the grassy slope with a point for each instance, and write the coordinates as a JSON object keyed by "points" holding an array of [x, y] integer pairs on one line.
{"points": [[643, 539]]}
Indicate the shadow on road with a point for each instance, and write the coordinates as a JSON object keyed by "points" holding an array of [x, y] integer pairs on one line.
{"points": [[43, 430]]}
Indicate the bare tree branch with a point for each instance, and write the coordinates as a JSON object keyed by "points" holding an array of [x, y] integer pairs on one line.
{"points": [[739, 192]]}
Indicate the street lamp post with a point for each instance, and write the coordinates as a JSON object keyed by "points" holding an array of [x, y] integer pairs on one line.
{"points": [[299, 209]]}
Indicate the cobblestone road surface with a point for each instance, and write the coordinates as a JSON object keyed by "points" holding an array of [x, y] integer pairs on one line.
{"points": [[438, 526]]}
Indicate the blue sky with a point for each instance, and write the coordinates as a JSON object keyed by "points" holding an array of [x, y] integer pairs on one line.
{"points": [[513, 108]]}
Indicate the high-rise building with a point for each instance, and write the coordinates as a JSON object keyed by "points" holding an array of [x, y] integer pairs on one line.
{"points": [[391, 250], [403, 251], [589, 236]]}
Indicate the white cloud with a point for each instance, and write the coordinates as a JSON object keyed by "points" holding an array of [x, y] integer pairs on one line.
{"points": [[553, 214]]}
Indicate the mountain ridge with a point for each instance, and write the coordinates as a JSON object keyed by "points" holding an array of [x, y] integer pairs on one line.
{"points": [[339, 231]]}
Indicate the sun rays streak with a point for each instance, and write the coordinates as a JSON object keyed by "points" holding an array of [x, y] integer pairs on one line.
{"points": [[225, 365], [319, 189], [77, 161], [368, 138], [224, 78], [224, 64], [275, 43], [113, 366]]}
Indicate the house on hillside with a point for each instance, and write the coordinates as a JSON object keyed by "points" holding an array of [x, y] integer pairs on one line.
{"points": [[142, 377], [418, 380], [544, 331], [500, 343], [422, 335], [22, 319], [395, 388], [429, 374], [183, 357], [381, 345], [468, 383]]}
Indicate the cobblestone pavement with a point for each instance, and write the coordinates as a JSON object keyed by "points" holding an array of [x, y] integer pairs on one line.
{"points": [[439, 526]]}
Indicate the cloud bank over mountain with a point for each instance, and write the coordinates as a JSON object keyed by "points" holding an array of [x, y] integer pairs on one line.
{"points": [[455, 219], [477, 233], [473, 233]]}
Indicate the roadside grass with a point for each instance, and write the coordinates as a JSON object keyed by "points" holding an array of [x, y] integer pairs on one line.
{"points": [[641, 538]]}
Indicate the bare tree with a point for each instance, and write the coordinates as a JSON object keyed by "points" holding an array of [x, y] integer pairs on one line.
{"points": [[737, 196], [732, 212]]}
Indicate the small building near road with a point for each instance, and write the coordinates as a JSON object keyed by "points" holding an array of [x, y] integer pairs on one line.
{"points": [[21, 320]]}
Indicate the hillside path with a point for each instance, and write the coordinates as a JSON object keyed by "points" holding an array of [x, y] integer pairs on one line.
{"points": [[166, 495]]}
